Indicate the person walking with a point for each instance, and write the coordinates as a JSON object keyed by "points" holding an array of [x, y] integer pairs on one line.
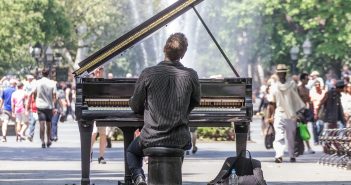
{"points": [[99, 73], [60, 107], [109, 129], [304, 93], [317, 94], [193, 134], [332, 110], [45, 93], [32, 110], [313, 78], [288, 103], [6, 108], [69, 100], [346, 104], [18, 99], [165, 94], [29, 84]]}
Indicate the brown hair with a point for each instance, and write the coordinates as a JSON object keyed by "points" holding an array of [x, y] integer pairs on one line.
{"points": [[176, 46], [45, 72]]}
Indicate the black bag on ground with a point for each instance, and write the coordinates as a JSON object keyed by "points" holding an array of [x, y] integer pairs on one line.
{"points": [[248, 171], [269, 137]]}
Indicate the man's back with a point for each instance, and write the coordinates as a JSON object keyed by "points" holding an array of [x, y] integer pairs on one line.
{"points": [[287, 100], [171, 92], [44, 92]]}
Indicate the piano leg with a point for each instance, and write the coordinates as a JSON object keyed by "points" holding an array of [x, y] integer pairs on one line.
{"points": [[241, 131], [128, 135], [85, 130]]}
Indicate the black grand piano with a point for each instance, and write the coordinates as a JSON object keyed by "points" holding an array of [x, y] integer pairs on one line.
{"points": [[224, 102]]}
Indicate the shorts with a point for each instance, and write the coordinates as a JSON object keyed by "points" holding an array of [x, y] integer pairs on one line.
{"points": [[45, 115], [6, 116], [21, 118], [100, 130]]}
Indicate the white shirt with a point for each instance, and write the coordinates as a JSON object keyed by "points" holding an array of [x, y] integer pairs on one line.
{"points": [[45, 88], [287, 99]]}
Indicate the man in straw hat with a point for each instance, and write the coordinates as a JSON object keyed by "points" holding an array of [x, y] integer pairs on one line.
{"points": [[288, 103], [314, 77]]}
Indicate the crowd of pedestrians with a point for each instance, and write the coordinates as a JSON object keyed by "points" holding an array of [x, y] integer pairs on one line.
{"points": [[306, 98], [32, 100]]}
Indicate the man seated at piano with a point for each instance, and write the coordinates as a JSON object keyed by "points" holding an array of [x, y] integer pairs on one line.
{"points": [[165, 94]]}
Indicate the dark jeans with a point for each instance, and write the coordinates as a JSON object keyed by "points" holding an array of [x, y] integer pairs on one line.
{"points": [[54, 121], [135, 158]]}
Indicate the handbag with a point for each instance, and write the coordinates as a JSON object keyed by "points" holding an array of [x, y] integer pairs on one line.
{"points": [[304, 133], [299, 146], [248, 170], [269, 137]]}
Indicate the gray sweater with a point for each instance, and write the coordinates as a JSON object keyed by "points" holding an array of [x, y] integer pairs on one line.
{"points": [[166, 94]]}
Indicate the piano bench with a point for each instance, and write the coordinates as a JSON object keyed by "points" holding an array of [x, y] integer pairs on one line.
{"points": [[164, 165]]}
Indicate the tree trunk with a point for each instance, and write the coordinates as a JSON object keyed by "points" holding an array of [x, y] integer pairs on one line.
{"points": [[82, 51]]}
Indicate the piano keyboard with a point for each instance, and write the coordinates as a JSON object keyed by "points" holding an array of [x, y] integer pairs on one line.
{"points": [[196, 109]]}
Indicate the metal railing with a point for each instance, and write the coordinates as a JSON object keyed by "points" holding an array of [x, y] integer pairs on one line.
{"points": [[336, 145]]}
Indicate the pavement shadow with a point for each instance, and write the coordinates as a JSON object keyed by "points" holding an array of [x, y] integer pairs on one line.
{"points": [[57, 177], [311, 183], [283, 183], [53, 154], [263, 156], [286, 183]]}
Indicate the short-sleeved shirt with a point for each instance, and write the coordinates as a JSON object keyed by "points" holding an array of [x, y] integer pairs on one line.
{"points": [[6, 97], [18, 98], [45, 88], [32, 106]]}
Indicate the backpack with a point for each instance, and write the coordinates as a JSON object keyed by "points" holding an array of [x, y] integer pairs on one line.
{"points": [[248, 170]]}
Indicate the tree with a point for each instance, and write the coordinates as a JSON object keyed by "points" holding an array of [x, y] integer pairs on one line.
{"points": [[325, 23], [25, 22]]}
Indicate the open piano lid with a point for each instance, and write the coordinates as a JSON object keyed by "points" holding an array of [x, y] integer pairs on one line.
{"points": [[134, 36]]}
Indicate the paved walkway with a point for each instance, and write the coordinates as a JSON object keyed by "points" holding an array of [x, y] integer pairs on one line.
{"points": [[25, 163]]}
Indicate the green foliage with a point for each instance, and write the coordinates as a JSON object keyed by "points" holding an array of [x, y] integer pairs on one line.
{"points": [[250, 32], [216, 133], [23, 23], [325, 23]]}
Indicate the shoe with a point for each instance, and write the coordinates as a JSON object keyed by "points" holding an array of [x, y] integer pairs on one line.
{"points": [[30, 138], [22, 138], [53, 139], [293, 159], [48, 144], [187, 152], [109, 144], [194, 150], [278, 160], [43, 145], [3, 139], [101, 160], [310, 151], [140, 180]]}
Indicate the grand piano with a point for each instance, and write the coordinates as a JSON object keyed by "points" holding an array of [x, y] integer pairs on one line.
{"points": [[224, 102]]}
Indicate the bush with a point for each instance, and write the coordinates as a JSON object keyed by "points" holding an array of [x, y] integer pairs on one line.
{"points": [[216, 133]]}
